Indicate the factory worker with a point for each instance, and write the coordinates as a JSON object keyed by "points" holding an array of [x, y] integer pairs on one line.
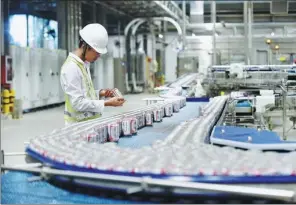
{"points": [[82, 101]]}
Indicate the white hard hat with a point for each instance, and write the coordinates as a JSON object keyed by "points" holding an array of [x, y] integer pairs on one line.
{"points": [[96, 36]]}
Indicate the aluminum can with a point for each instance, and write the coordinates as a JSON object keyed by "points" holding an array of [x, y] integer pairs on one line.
{"points": [[148, 119], [117, 93], [126, 127], [134, 125]]}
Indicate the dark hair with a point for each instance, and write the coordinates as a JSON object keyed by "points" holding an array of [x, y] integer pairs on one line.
{"points": [[81, 42]]}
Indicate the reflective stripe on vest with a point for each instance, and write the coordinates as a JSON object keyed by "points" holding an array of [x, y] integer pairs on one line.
{"points": [[71, 115]]}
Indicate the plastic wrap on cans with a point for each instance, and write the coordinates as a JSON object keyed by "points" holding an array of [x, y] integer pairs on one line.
{"points": [[117, 93], [148, 119], [157, 115], [134, 125], [113, 133], [126, 127], [168, 110]]}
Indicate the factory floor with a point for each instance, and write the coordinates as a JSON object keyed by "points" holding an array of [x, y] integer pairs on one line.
{"points": [[14, 133]]}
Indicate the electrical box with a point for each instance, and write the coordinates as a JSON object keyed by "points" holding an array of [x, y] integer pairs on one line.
{"points": [[6, 70]]}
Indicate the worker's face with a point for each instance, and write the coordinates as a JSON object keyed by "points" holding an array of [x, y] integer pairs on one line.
{"points": [[91, 55]]}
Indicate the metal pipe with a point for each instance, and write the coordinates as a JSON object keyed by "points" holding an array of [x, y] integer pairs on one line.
{"points": [[213, 7], [285, 195], [15, 154], [231, 25], [184, 23], [284, 94], [250, 22]]}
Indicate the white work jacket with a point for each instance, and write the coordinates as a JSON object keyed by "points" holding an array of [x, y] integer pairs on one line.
{"points": [[71, 80]]}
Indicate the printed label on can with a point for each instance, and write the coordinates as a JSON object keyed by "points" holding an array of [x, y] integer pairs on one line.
{"points": [[134, 126], [126, 127], [112, 133], [149, 121]]}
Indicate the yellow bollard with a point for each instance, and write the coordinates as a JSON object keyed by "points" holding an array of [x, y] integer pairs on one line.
{"points": [[6, 108], [222, 93], [12, 95], [5, 96]]}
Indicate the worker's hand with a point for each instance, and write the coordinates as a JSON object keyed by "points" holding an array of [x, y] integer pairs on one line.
{"points": [[106, 93], [115, 102]]}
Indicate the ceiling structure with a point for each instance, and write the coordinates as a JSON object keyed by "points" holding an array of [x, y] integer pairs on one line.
{"points": [[124, 11]]}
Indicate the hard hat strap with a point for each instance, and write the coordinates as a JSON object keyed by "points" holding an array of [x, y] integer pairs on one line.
{"points": [[84, 51]]}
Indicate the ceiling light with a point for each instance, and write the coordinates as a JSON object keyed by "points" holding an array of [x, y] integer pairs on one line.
{"points": [[160, 35]]}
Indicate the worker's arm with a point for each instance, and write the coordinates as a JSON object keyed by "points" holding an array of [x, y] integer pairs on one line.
{"points": [[71, 81]]}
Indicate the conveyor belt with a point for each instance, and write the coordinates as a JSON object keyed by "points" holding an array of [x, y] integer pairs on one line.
{"points": [[16, 188], [147, 135]]}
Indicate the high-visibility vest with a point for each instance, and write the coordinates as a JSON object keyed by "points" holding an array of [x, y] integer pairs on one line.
{"points": [[71, 115]]}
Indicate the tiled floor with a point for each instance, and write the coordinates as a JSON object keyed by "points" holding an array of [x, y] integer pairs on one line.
{"points": [[15, 132]]}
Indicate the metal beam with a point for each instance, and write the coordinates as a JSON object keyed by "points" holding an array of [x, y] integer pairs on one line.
{"points": [[110, 7]]}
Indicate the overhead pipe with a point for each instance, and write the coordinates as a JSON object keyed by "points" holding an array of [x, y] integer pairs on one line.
{"points": [[127, 48], [208, 26], [136, 23]]}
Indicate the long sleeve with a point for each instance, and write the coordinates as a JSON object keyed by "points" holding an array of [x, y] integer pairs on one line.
{"points": [[72, 84]]}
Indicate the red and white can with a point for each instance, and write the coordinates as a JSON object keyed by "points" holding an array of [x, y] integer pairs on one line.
{"points": [[112, 131], [126, 127], [148, 119], [134, 125], [157, 115], [168, 110]]}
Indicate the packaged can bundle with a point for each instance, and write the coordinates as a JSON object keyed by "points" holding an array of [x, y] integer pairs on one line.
{"points": [[134, 125], [142, 120], [169, 110], [113, 133], [157, 115], [126, 127], [148, 119], [117, 93]]}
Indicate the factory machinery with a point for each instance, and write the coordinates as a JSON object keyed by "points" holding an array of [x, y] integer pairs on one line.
{"points": [[186, 164]]}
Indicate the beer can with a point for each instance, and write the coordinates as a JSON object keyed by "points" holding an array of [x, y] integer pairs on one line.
{"points": [[116, 93], [168, 110], [157, 115], [134, 125], [126, 127], [105, 133], [148, 119], [112, 137], [176, 107]]}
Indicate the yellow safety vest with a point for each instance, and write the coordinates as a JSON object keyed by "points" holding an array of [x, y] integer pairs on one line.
{"points": [[71, 115]]}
